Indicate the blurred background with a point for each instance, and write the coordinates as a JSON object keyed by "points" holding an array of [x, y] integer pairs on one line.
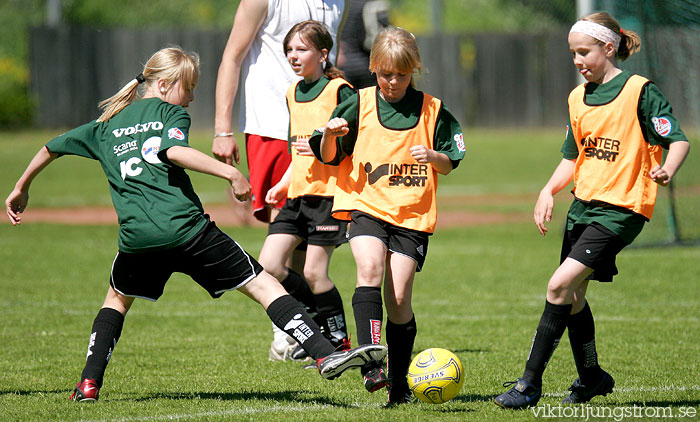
{"points": [[499, 65], [495, 63]]}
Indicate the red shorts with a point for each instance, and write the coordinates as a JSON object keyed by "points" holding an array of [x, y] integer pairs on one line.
{"points": [[268, 160]]}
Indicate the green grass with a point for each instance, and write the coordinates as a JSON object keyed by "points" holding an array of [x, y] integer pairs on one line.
{"points": [[187, 357], [192, 358]]}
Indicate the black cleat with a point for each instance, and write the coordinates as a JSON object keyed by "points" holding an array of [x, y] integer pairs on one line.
{"points": [[524, 394], [583, 394]]}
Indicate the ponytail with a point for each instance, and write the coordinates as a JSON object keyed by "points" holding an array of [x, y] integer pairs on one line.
{"points": [[332, 72], [630, 42], [116, 103], [171, 64]]}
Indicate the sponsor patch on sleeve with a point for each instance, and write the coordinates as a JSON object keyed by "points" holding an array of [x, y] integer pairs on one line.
{"points": [[459, 141], [662, 125], [175, 133]]}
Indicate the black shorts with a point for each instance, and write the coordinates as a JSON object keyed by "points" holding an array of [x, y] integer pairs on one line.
{"points": [[594, 246], [411, 243], [212, 258], [309, 217]]}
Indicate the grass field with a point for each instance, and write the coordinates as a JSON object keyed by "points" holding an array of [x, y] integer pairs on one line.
{"points": [[187, 357]]}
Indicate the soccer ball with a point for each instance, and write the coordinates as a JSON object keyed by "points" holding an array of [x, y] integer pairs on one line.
{"points": [[435, 375]]}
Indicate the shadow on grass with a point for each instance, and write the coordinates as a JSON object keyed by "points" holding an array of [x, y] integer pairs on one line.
{"points": [[32, 392], [473, 398], [470, 351], [280, 396]]}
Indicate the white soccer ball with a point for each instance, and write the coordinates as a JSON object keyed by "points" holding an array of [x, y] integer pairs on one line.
{"points": [[435, 375]]}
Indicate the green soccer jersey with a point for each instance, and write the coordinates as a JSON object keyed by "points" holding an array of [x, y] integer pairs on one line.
{"points": [[403, 114], [659, 127], [154, 199]]}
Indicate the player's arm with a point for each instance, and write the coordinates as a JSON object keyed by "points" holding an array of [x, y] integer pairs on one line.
{"points": [[192, 159], [331, 131], [677, 152], [17, 201], [560, 179], [440, 161], [448, 149], [249, 17], [279, 191]]}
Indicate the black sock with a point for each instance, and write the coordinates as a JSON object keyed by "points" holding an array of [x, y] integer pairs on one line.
{"points": [[399, 341], [105, 333], [299, 289], [549, 331], [368, 310], [582, 338], [332, 314], [289, 315]]}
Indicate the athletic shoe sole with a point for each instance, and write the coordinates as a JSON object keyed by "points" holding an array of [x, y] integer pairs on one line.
{"points": [[333, 365]]}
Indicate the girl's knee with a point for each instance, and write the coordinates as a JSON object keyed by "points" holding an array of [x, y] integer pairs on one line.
{"points": [[370, 272]]}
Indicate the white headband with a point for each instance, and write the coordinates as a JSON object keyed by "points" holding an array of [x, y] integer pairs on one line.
{"points": [[597, 31]]}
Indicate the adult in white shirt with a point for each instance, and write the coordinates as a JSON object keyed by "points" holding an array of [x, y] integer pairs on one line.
{"points": [[254, 62]]}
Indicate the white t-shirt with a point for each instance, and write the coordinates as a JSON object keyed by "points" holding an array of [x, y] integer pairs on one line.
{"points": [[265, 72]]}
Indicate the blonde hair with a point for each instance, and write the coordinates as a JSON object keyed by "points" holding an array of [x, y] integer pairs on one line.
{"points": [[395, 49], [630, 42], [316, 35], [171, 64]]}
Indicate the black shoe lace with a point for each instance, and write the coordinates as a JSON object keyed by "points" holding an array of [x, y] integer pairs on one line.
{"points": [[509, 383]]}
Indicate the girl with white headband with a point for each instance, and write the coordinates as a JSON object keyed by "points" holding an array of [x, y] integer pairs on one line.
{"points": [[618, 125]]}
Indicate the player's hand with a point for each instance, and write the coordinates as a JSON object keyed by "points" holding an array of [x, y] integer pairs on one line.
{"points": [[336, 127], [421, 153], [543, 211], [240, 187], [15, 204], [225, 149], [660, 176], [276, 194], [302, 147]]}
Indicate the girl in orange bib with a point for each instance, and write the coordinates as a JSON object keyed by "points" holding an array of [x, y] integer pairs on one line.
{"points": [[619, 124], [308, 188], [390, 144]]}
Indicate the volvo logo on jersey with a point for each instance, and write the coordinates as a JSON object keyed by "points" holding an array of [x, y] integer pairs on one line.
{"points": [[601, 148], [398, 174]]}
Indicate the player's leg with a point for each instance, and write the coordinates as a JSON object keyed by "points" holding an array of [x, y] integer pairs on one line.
{"points": [[370, 257], [105, 332], [560, 293], [602, 248], [326, 296], [132, 275], [276, 249], [592, 379], [290, 316], [401, 326], [284, 235], [227, 267]]}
